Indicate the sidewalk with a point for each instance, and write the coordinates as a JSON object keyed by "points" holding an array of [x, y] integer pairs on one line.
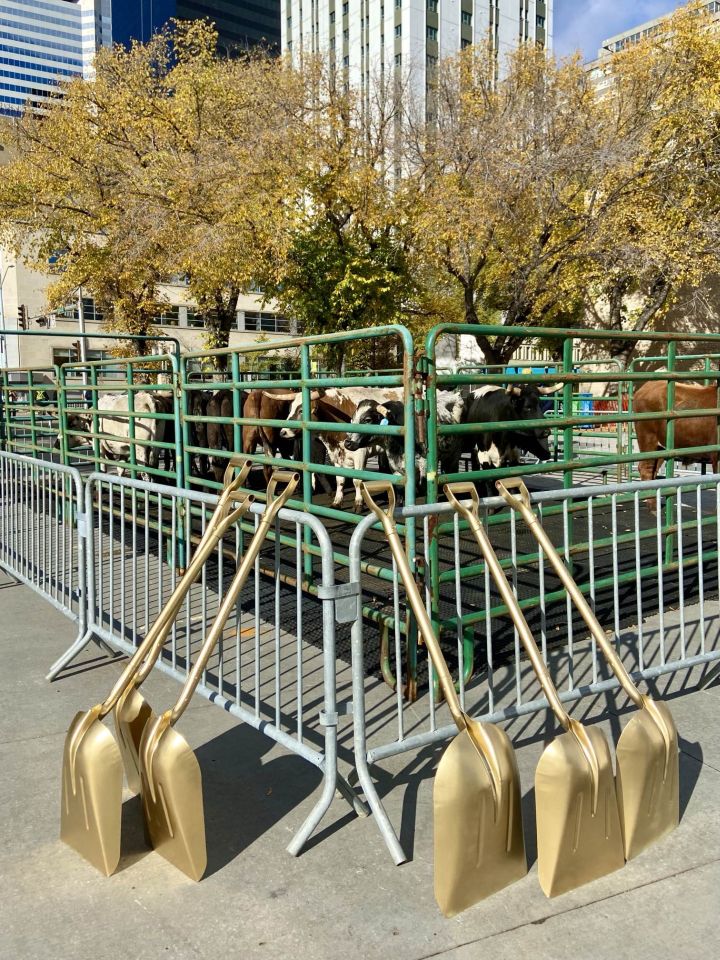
{"points": [[343, 898]]}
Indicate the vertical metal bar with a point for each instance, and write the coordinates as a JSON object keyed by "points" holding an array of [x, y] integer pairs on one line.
{"points": [[257, 630], [111, 573], [306, 437], [701, 564], [638, 584], [591, 576], [398, 653], [459, 610], [299, 674], [568, 601], [277, 627], [616, 571], [122, 564], [681, 571], [516, 635], [432, 679], [661, 573]]}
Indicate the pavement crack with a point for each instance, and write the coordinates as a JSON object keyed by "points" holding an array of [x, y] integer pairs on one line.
{"points": [[561, 913]]}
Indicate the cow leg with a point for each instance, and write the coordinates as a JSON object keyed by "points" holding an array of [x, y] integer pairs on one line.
{"points": [[648, 470]]}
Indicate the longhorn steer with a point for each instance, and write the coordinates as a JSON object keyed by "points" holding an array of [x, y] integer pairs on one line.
{"points": [[651, 397]]}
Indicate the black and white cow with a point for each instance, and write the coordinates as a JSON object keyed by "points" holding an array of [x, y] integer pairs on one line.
{"points": [[497, 404], [450, 409]]}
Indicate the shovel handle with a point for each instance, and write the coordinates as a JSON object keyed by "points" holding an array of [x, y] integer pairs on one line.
{"points": [[275, 502], [222, 519], [470, 512], [425, 626], [523, 506]]}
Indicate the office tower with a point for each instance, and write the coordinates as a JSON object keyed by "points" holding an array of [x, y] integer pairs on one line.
{"points": [[42, 43], [240, 23], [375, 37]]}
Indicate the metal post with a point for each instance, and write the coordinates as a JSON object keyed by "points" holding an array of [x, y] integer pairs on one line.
{"points": [[82, 342]]}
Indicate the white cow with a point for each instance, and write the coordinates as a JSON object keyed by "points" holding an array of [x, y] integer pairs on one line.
{"points": [[114, 421]]}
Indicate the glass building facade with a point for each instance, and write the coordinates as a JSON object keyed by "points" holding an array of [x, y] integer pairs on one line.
{"points": [[240, 23], [43, 42]]}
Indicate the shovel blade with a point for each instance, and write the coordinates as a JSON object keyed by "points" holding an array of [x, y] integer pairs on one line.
{"points": [[132, 715], [92, 796], [479, 844], [648, 787], [173, 805], [575, 843]]}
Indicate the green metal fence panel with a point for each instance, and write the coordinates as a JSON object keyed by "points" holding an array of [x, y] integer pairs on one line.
{"points": [[29, 410]]}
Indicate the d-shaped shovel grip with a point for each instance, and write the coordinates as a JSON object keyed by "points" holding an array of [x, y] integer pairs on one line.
{"points": [[222, 519], [471, 513], [523, 505]]}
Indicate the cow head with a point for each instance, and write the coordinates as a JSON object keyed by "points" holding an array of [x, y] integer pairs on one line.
{"points": [[526, 402], [372, 412], [76, 422], [295, 411]]}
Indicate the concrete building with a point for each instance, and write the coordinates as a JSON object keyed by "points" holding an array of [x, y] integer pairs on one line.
{"points": [[45, 41], [240, 23], [633, 35], [372, 38], [177, 317]]}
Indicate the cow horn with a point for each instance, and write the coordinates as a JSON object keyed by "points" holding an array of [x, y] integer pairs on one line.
{"points": [[547, 390], [382, 410], [514, 388], [289, 395]]}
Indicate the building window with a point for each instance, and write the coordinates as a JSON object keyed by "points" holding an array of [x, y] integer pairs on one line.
{"points": [[431, 61], [432, 33], [346, 7], [466, 18], [90, 311], [346, 62], [398, 30], [169, 317], [540, 21], [398, 3], [195, 319], [432, 5], [265, 322], [346, 34], [398, 59], [464, 44]]}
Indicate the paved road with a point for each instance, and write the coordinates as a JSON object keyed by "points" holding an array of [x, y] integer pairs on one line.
{"points": [[343, 898]]}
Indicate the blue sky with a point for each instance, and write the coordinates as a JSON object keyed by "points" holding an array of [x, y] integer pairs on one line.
{"points": [[583, 24]]}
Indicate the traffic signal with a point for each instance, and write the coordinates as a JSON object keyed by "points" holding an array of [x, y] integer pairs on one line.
{"points": [[22, 317]]}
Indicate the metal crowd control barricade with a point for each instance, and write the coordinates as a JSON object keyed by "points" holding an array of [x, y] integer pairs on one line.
{"points": [[300, 364], [274, 667], [664, 615], [43, 535], [573, 461]]}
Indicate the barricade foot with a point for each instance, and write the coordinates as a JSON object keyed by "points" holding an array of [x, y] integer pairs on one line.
{"points": [[72, 651]]}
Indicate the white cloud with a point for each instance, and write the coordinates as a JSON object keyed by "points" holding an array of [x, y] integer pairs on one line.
{"points": [[584, 25]]}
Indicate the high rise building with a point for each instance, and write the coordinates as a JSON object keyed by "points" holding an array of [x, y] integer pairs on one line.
{"points": [[373, 37], [45, 41], [240, 23]]}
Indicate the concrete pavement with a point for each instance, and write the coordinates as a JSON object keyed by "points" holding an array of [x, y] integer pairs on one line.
{"points": [[343, 898]]}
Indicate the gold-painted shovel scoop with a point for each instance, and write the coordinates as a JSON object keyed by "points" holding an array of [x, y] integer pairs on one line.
{"points": [[169, 770], [648, 782], [91, 804], [479, 843], [578, 824]]}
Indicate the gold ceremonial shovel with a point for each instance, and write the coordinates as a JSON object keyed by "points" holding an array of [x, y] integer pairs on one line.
{"points": [[578, 824], [132, 712], [479, 844], [91, 806], [648, 782], [169, 770]]}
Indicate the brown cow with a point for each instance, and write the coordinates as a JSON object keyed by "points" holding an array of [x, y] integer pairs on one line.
{"points": [[271, 404], [689, 432]]}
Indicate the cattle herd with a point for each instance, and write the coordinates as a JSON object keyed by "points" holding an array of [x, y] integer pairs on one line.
{"points": [[340, 445]]}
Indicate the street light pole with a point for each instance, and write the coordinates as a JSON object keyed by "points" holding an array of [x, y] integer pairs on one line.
{"points": [[82, 341], [3, 274]]}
